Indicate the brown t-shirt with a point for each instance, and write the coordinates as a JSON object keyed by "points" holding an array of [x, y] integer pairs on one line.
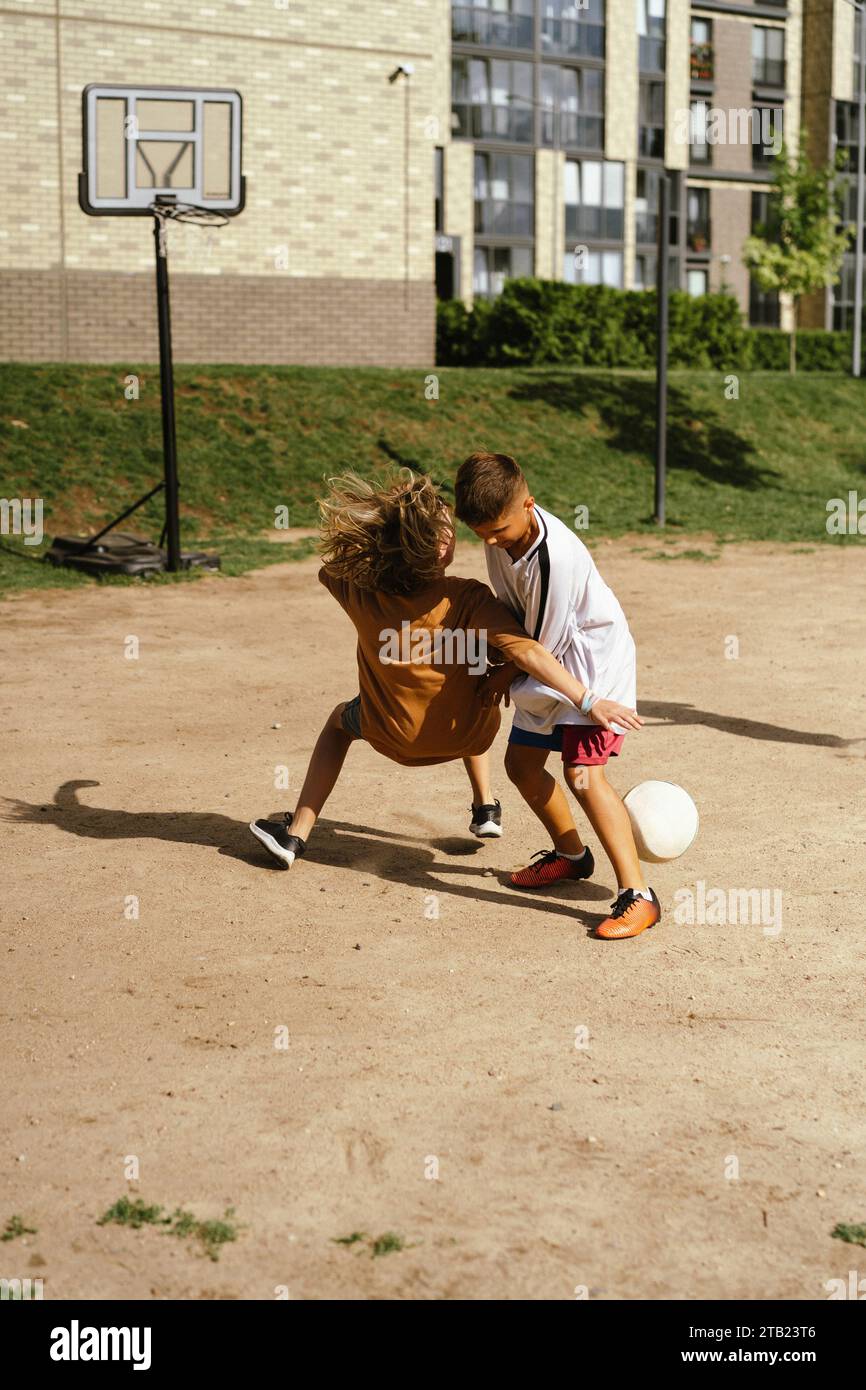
{"points": [[420, 701]]}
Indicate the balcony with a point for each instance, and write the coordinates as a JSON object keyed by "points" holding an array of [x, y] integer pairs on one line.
{"points": [[702, 62], [569, 129], [572, 38], [488, 29], [492, 122]]}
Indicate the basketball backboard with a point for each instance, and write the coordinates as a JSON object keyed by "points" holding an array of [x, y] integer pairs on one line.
{"points": [[144, 142]]}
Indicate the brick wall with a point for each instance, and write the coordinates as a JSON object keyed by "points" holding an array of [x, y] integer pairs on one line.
{"points": [[92, 316]]}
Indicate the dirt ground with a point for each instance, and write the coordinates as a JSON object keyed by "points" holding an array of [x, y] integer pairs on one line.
{"points": [[703, 1145]]}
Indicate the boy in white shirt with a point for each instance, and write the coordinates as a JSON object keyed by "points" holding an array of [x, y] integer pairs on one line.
{"points": [[548, 578]]}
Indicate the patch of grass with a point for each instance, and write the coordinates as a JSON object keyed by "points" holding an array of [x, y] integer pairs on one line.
{"points": [[685, 555], [387, 1244], [353, 1239], [135, 1213], [15, 1227], [211, 1235], [252, 439], [853, 1234]]}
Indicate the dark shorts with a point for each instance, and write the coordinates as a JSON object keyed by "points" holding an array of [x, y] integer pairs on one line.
{"points": [[351, 717], [581, 745]]}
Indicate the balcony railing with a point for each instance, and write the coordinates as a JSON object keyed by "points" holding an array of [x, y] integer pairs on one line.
{"points": [[702, 62], [769, 72], [491, 30], [565, 129], [599, 224], [651, 55], [492, 122], [501, 217], [581, 38]]}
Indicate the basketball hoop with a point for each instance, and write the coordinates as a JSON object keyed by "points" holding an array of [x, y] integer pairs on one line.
{"points": [[173, 154], [189, 212]]}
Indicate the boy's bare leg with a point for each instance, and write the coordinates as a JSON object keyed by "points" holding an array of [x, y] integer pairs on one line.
{"points": [[541, 791], [478, 771], [326, 764], [609, 819]]}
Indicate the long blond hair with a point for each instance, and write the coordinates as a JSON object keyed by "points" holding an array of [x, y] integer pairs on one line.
{"points": [[387, 534]]}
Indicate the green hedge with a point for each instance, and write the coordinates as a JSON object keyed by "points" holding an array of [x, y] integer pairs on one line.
{"points": [[546, 322]]}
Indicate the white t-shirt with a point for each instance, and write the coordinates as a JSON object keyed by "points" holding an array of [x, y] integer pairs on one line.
{"points": [[563, 602]]}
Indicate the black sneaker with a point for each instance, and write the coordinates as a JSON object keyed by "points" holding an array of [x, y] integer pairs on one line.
{"points": [[486, 821], [274, 835]]}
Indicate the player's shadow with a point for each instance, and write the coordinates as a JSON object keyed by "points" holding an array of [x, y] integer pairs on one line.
{"points": [[409, 861], [675, 713]]}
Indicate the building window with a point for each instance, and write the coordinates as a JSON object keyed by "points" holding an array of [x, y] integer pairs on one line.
{"points": [[763, 304], [594, 200], [439, 186], [503, 195], [843, 297], [505, 24], [596, 268], [700, 148], [702, 50], [571, 29], [651, 35], [698, 234], [846, 131], [491, 99], [768, 56], [572, 107], [767, 132], [647, 207], [493, 265], [651, 118], [646, 271], [696, 281]]}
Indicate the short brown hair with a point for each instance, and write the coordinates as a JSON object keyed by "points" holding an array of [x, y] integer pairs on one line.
{"points": [[385, 534], [485, 485]]}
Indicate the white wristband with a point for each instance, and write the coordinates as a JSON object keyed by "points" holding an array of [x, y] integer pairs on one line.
{"points": [[588, 701]]}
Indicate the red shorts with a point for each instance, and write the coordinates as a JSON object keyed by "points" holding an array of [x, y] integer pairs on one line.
{"points": [[585, 746]]}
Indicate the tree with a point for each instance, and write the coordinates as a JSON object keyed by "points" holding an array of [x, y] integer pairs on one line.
{"points": [[799, 249]]}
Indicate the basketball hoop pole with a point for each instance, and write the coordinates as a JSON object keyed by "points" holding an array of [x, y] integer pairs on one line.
{"points": [[166, 385]]}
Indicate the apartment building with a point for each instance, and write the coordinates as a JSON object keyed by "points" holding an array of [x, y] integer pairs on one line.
{"points": [[396, 150], [576, 108]]}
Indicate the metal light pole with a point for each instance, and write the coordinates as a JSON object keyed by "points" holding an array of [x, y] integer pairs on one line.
{"points": [[861, 200], [662, 282]]}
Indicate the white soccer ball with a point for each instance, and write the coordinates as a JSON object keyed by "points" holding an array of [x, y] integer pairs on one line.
{"points": [[664, 820]]}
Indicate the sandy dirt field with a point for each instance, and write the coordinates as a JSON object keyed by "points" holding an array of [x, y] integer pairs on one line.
{"points": [[417, 1040]]}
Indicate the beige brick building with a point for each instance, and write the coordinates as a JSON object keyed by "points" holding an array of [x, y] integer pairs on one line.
{"points": [[530, 138]]}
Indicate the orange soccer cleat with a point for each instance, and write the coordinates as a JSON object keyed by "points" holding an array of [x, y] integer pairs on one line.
{"points": [[551, 867], [630, 915]]}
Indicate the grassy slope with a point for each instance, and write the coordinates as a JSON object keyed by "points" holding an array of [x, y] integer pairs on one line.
{"points": [[254, 438]]}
